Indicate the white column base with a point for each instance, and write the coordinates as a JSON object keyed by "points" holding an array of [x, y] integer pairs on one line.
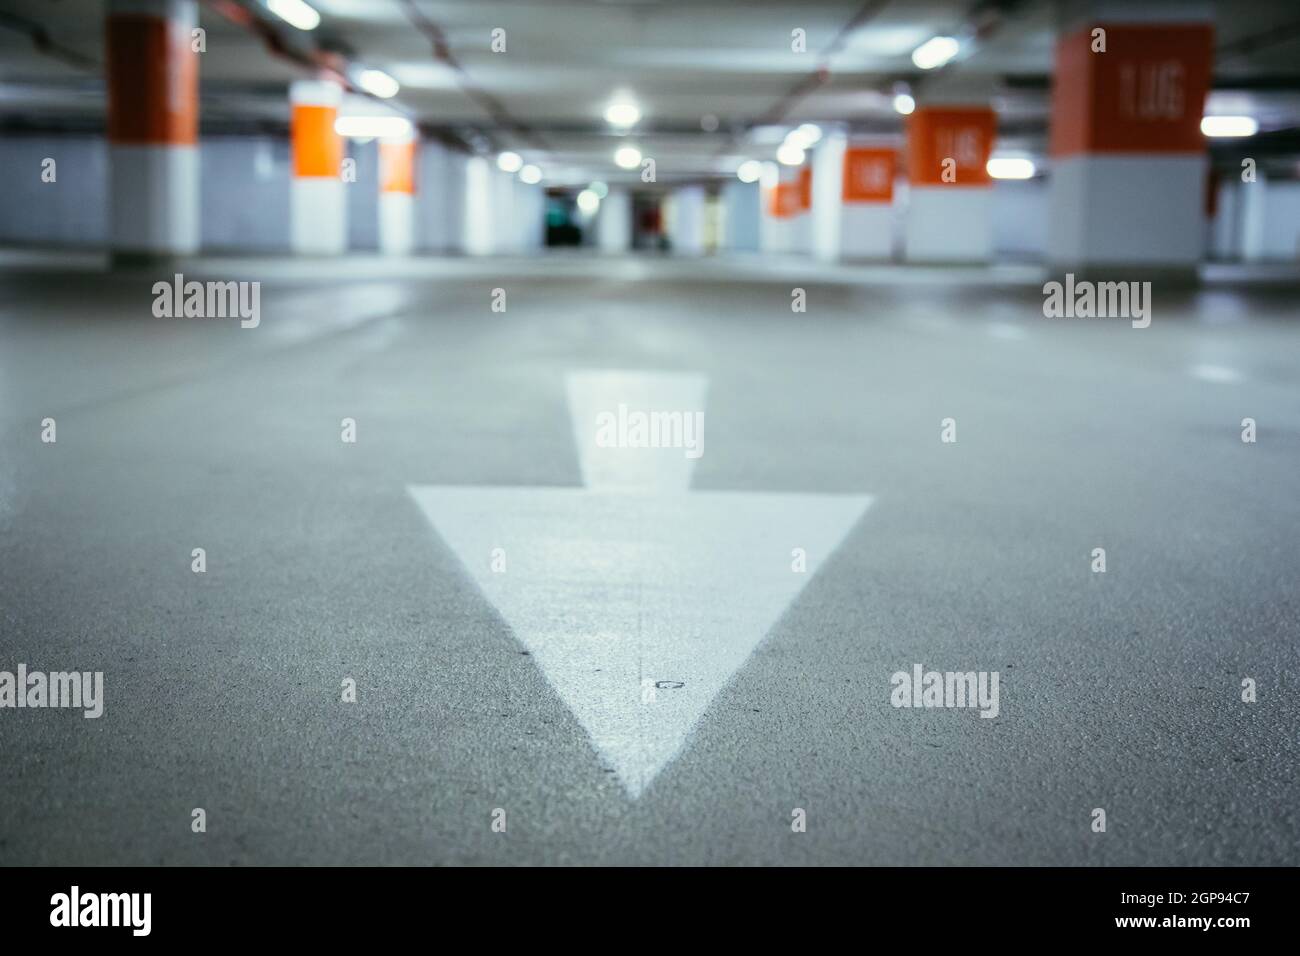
{"points": [[318, 216], [786, 235], [686, 222], [866, 230], [613, 223], [1127, 210], [154, 205], [949, 223], [743, 213], [396, 223]]}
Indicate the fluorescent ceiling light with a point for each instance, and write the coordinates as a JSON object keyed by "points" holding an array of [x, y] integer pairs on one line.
{"points": [[622, 114], [749, 171], [770, 176], [808, 133], [935, 52], [790, 154], [372, 127], [296, 13], [1223, 126], [628, 157], [378, 83], [509, 162], [1010, 167], [423, 75], [530, 174], [904, 104], [588, 201]]}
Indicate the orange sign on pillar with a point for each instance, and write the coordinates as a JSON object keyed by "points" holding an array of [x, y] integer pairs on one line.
{"points": [[950, 145], [868, 175], [785, 199], [153, 82], [397, 167], [317, 149], [1144, 94]]}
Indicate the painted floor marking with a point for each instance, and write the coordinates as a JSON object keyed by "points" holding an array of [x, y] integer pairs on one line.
{"points": [[618, 396], [638, 598]]}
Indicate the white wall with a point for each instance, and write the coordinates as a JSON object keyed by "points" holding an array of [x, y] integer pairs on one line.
{"points": [[741, 216], [530, 217], [614, 221], [1020, 218], [244, 193], [244, 204], [826, 219], [505, 237], [439, 198], [73, 210], [1225, 228], [477, 216], [1281, 220], [948, 224], [685, 215], [363, 196]]}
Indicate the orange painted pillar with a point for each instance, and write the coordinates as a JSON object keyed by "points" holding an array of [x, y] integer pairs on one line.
{"points": [[1128, 156], [866, 194], [397, 185], [152, 75], [852, 196], [317, 202], [950, 202], [786, 211]]}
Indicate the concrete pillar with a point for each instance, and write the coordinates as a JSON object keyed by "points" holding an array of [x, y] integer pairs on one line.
{"points": [[317, 203], [153, 127], [686, 221], [530, 216], [827, 199], [1225, 222], [361, 193], [505, 234], [786, 225], [852, 199], [614, 221], [950, 200], [867, 190], [1254, 210], [479, 176], [1128, 156], [742, 211], [397, 158], [440, 198]]}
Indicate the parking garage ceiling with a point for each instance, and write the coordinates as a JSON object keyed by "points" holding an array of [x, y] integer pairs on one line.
{"points": [[707, 77]]}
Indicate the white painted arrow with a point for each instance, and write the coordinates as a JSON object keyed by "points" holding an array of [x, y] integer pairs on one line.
{"points": [[638, 598]]}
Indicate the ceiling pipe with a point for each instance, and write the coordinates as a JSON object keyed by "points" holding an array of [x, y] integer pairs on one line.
{"points": [[437, 38], [818, 78], [44, 43]]}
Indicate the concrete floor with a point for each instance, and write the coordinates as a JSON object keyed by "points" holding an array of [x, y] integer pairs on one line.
{"points": [[1118, 690]]}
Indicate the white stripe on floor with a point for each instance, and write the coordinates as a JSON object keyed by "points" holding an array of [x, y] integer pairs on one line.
{"points": [[638, 599], [597, 397]]}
